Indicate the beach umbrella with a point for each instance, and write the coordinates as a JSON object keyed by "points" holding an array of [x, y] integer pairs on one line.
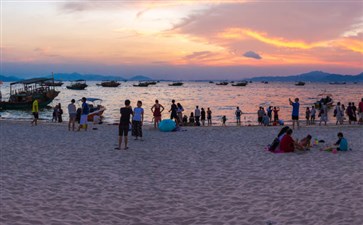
{"points": [[167, 125]]}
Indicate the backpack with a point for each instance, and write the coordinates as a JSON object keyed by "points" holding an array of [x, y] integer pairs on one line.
{"points": [[274, 145]]}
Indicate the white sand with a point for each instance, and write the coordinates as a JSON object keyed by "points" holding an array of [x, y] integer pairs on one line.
{"points": [[200, 176]]}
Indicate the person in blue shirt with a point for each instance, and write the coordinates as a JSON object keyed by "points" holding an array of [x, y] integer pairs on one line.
{"points": [[295, 112], [340, 145]]}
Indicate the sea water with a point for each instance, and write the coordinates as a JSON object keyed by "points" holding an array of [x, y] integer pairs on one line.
{"points": [[222, 100]]}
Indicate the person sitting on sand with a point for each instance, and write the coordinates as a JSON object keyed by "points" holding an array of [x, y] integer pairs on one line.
{"points": [[340, 145], [191, 119], [288, 144], [185, 120], [306, 142]]}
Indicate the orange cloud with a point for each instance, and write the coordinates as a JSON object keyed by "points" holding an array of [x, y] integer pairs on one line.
{"points": [[353, 45]]}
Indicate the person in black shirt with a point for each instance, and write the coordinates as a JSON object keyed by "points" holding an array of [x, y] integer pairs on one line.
{"points": [[123, 128], [174, 112]]}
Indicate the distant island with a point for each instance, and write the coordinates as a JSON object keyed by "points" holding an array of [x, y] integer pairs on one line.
{"points": [[314, 76]]}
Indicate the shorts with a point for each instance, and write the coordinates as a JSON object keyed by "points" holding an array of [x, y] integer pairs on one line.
{"points": [[174, 116], [238, 117], [36, 115], [123, 130], [260, 119], [83, 120], [72, 116], [312, 117], [295, 117]]}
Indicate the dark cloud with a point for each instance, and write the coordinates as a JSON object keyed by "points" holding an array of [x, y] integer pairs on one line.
{"points": [[251, 54]]}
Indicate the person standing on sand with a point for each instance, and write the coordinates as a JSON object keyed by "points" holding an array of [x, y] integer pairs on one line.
{"points": [[260, 114], [137, 121], [35, 111], [173, 112], [123, 129], [238, 116], [312, 115], [72, 112], [209, 116], [197, 116], [202, 116], [269, 113], [360, 111], [307, 116], [295, 112], [354, 109], [349, 112], [323, 114], [157, 109], [339, 114], [276, 114], [59, 113], [84, 115], [180, 112]]}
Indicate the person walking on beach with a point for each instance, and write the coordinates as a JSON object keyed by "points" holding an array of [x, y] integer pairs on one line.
{"points": [[72, 112], [35, 111], [338, 114], [312, 115], [84, 115], [307, 116], [157, 109], [197, 116], [202, 116], [180, 112], [209, 116], [123, 128], [295, 112], [137, 121], [224, 119], [173, 112], [238, 116]]}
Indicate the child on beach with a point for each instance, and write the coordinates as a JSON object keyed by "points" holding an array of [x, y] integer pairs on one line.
{"points": [[340, 145], [224, 119], [191, 119], [312, 115], [306, 142], [137, 121], [238, 116], [185, 120], [276, 114], [209, 117], [307, 116]]}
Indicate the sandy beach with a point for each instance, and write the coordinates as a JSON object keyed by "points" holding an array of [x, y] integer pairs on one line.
{"points": [[214, 175]]}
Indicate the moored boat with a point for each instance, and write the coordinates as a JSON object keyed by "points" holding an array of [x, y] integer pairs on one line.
{"points": [[24, 92], [54, 84], [222, 83], [111, 83], [325, 98], [78, 85], [240, 84], [141, 84], [176, 84], [300, 83], [95, 108], [338, 83]]}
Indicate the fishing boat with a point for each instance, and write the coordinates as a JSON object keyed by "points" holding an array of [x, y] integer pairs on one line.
{"points": [[222, 83], [24, 92], [264, 82], [95, 108], [240, 84], [78, 85], [141, 84], [300, 83], [211, 82], [111, 83], [176, 84]]}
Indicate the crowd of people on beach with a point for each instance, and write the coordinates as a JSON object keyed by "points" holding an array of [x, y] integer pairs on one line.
{"points": [[202, 117]]}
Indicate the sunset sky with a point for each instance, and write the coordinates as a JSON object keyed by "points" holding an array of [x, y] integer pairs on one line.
{"points": [[181, 39]]}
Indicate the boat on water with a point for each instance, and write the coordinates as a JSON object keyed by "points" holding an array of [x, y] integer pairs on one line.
{"points": [[151, 82], [300, 83], [78, 85], [240, 84], [222, 83], [24, 92], [111, 83], [53, 84], [264, 82], [95, 108], [141, 84], [176, 84], [338, 83]]}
